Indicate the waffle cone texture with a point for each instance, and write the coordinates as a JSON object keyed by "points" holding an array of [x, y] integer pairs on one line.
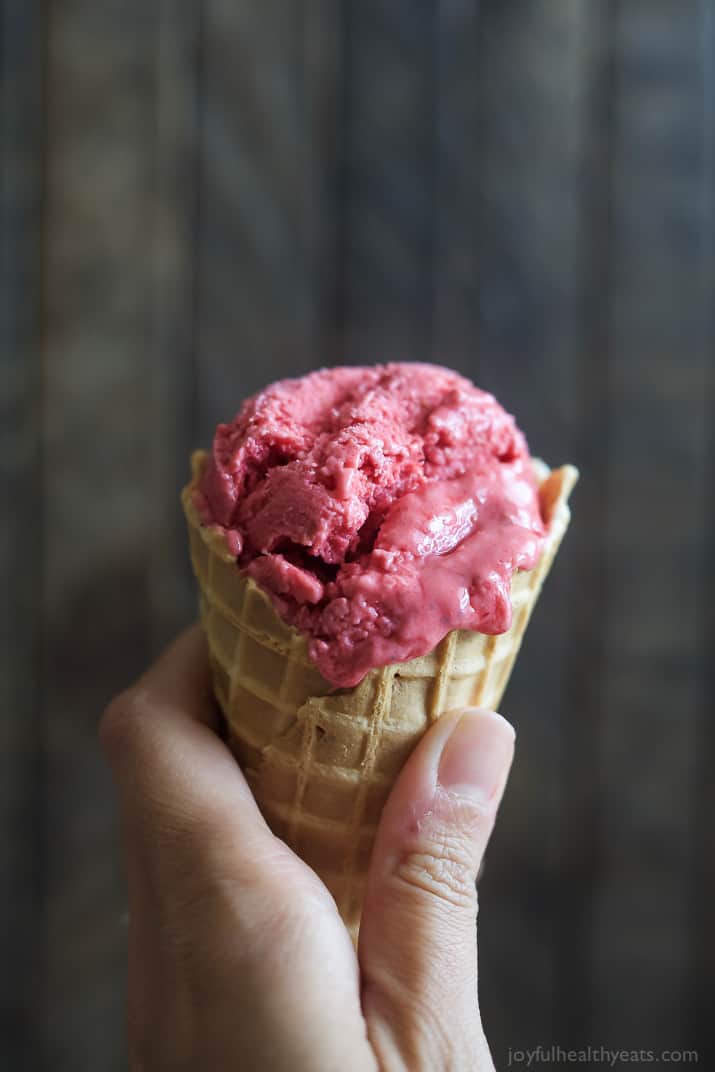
{"points": [[321, 761]]}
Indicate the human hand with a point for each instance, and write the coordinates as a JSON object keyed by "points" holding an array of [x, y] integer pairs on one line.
{"points": [[238, 958]]}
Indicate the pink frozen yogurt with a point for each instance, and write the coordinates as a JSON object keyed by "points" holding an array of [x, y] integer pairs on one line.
{"points": [[379, 508]]}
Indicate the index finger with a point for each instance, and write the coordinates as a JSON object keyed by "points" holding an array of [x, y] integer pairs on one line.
{"points": [[179, 786]]}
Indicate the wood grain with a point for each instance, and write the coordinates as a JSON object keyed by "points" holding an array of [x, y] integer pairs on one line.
{"points": [[262, 204], [459, 155], [322, 77], [174, 233], [21, 868], [389, 159], [702, 875], [98, 510], [536, 67], [580, 850], [656, 425]]}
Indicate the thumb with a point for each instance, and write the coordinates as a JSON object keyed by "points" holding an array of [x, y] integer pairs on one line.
{"points": [[417, 948]]}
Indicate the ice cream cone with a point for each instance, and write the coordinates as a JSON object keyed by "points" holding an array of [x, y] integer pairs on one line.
{"points": [[321, 761]]}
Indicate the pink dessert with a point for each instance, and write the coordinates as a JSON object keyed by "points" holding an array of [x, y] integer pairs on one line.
{"points": [[379, 508]]}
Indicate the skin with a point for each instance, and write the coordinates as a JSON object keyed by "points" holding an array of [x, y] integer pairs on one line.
{"points": [[238, 958]]}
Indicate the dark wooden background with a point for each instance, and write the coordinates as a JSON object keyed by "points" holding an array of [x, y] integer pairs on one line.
{"points": [[199, 197]]}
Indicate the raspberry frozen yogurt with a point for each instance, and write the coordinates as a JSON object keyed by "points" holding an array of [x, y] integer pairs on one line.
{"points": [[379, 508]]}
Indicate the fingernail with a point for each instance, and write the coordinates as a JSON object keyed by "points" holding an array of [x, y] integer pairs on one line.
{"points": [[477, 755]]}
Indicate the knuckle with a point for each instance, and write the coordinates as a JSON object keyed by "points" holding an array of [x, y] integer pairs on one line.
{"points": [[121, 724], [258, 916], [442, 868], [440, 859], [290, 924]]}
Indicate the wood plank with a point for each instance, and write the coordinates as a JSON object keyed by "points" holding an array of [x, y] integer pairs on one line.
{"points": [[702, 930], [98, 435], [514, 141], [21, 35], [579, 857], [388, 181], [266, 222], [655, 538], [460, 159], [176, 227], [322, 76]]}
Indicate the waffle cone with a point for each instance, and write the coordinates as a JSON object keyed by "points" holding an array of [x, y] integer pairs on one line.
{"points": [[321, 761]]}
